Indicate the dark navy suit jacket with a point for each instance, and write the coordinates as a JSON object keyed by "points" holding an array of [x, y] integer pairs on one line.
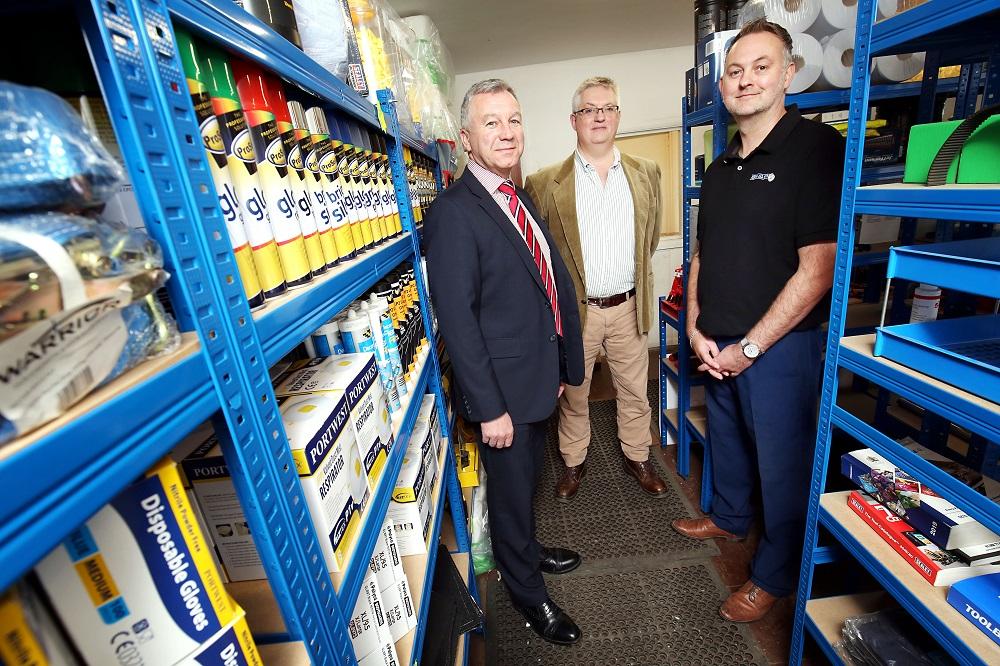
{"points": [[492, 310]]}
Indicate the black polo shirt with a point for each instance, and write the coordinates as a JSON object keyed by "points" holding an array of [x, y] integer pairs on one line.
{"points": [[756, 212]]}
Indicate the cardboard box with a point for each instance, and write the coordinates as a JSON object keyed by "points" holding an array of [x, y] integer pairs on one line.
{"points": [[411, 521], [396, 616], [28, 633], [137, 580], [380, 563], [878, 229], [978, 600], [329, 467], [356, 377], [384, 656], [367, 627], [709, 64]]}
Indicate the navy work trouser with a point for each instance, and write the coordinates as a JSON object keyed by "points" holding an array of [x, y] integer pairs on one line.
{"points": [[762, 429]]}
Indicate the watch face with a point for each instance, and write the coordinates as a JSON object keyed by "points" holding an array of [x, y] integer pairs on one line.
{"points": [[750, 350]]}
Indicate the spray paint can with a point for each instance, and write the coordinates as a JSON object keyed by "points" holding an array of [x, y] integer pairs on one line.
{"points": [[212, 139], [926, 301], [272, 168], [314, 184], [278, 14], [385, 185], [378, 313], [274, 94], [242, 164], [326, 339], [323, 158], [371, 198], [350, 170]]}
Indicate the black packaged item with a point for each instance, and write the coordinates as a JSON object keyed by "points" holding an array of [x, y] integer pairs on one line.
{"points": [[690, 91], [452, 612], [733, 8], [709, 17], [888, 637], [279, 14]]}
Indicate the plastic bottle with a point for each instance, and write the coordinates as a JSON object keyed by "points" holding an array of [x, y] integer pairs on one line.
{"points": [[926, 301]]}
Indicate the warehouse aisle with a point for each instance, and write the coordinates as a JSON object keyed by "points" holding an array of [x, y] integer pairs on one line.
{"points": [[644, 595]]}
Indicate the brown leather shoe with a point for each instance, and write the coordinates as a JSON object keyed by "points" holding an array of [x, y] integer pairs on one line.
{"points": [[747, 604], [569, 482], [645, 473], [702, 528]]}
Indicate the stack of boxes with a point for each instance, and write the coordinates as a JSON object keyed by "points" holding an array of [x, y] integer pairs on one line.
{"points": [[411, 508]]}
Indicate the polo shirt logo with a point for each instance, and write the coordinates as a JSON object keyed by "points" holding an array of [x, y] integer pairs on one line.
{"points": [[769, 177]]}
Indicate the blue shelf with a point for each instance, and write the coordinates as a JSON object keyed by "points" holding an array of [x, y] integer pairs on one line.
{"points": [[935, 23], [695, 419], [959, 407], [374, 517], [971, 266], [224, 22], [57, 477], [290, 318], [669, 317], [925, 602], [970, 203], [696, 378]]}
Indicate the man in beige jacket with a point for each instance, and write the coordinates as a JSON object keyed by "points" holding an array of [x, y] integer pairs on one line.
{"points": [[603, 210]]}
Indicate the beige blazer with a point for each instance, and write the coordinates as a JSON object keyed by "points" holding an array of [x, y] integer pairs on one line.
{"points": [[553, 189]]}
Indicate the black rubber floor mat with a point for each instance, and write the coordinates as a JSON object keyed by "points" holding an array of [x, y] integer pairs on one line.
{"points": [[636, 617], [610, 517]]}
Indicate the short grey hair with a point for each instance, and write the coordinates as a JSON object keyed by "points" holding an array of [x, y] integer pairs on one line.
{"points": [[594, 82], [485, 87]]}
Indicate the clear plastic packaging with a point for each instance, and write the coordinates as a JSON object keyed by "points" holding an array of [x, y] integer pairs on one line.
{"points": [[77, 309], [323, 33], [479, 528], [432, 55], [48, 159], [884, 638]]}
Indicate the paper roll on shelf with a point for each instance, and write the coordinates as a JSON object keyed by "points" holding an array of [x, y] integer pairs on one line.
{"points": [[834, 16], [807, 55], [888, 8], [897, 68], [838, 61], [794, 15]]}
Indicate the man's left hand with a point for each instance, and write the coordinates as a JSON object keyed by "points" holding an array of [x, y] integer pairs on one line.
{"points": [[732, 361]]}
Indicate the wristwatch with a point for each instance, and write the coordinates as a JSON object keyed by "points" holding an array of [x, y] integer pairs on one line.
{"points": [[750, 349]]}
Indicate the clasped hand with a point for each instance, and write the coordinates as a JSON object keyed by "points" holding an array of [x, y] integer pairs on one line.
{"points": [[729, 362]]}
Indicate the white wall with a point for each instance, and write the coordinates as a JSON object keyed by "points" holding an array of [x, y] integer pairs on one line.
{"points": [[651, 85]]}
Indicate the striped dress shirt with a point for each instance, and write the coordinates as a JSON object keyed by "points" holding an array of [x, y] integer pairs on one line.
{"points": [[492, 183], [606, 216]]}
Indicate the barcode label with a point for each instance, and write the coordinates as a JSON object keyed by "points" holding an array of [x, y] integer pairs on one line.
{"points": [[77, 388], [403, 527]]}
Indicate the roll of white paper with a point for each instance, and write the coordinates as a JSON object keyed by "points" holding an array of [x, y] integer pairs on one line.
{"points": [[888, 8], [896, 68], [838, 61], [808, 57], [834, 16], [794, 15]]}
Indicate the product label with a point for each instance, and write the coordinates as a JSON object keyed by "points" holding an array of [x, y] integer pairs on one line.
{"points": [[50, 366], [18, 642], [233, 647]]}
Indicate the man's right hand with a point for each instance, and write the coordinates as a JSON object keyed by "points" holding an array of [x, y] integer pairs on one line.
{"points": [[706, 350], [498, 433]]}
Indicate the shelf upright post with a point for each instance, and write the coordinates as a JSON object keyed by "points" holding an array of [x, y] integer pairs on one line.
{"points": [[453, 490], [683, 398], [860, 85], [181, 208]]}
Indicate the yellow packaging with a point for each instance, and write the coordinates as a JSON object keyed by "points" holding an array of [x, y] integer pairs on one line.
{"points": [[28, 634]]}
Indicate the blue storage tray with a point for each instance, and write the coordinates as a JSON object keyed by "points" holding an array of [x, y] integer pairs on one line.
{"points": [[964, 352], [971, 266]]}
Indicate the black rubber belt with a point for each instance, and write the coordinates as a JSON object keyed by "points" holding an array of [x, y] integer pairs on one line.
{"points": [[952, 148]]}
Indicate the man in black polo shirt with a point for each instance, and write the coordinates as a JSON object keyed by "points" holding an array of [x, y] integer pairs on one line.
{"points": [[758, 291]]}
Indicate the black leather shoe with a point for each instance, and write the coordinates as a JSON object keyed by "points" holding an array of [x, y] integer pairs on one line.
{"points": [[550, 622], [558, 560]]}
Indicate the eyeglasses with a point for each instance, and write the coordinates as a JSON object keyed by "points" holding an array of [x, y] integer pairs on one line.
{"points": [[592, 111]]}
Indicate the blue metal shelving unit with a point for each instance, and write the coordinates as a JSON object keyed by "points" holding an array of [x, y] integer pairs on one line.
{"points": [[692, 425], [57, 477], [958, 31]]}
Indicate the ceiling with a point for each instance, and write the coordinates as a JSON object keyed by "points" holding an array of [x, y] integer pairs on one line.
{"points": [[484, 34]]}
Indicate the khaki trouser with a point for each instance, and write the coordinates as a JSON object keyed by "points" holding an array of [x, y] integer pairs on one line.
{"points": [[614, 331]]}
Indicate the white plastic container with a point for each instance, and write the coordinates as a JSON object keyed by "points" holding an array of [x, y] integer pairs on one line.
{"points": [[926, 301]]}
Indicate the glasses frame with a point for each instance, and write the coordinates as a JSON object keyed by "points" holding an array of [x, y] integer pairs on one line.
{"points": [[592, 111]]}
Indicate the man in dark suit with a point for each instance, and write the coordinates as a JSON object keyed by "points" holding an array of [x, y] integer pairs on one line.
{"points": [[506, 307]]}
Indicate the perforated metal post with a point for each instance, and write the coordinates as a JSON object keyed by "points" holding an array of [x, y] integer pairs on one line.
{"points": [[857, 117], [179, 198]]}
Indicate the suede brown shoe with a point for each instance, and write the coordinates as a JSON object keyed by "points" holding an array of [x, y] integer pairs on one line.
{"points": [[645, 473], [569, 482], [702, 528], [747, 604]]}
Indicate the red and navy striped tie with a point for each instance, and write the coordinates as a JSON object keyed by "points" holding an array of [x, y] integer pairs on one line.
{"points": [[517, 210]]}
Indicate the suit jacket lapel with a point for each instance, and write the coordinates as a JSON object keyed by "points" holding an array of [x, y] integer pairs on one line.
{"points": [[492, 210], [565, 222]]}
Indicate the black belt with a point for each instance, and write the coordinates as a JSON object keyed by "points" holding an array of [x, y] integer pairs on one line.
{"points": [[611, 301]]}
